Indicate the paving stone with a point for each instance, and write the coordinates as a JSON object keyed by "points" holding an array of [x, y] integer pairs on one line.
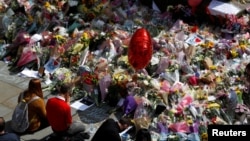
{"points": [[7, 91], [10, 87], [4, 110]]}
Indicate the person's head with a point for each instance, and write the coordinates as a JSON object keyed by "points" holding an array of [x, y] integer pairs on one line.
{"points": [[2, 124], [65, 89], [124, 123], [143, 135], [35, 87]]}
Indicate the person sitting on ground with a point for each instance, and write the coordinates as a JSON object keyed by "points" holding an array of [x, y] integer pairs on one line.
{"points": [[59, 115], [143, 134], [110, 129], [6, 136], [36, 109], [127, 102]]}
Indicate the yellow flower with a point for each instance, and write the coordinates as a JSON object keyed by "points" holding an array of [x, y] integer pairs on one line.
{"points": [[85, 36], [243, 47], [60, 38], [77, 48], [189, 121], [210, 44], [234, 53], [218, 80], [120, 77], [47, 5], [98, 8], [204, 136], [85, 9], [238, 91], [212, 67], [124, 59], [201, 95], [213, 105], [207, 44]]}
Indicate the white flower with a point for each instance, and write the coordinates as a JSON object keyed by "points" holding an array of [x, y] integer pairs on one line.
{"points": [[63, 75], [145, 82], [155, 83], [155, 60]]}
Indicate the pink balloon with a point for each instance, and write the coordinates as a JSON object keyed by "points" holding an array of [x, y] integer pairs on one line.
{"points": [[194, 3]]}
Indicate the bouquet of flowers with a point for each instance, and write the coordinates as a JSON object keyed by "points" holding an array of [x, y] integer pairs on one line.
{"points": [[61, 76], [88, 84], [27, 56], [89, 78]]}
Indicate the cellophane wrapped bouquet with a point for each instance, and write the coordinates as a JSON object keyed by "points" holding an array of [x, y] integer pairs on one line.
{"points": [[61, 76]]}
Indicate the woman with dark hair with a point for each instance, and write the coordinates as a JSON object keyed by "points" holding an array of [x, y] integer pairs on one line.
{"points": [[35, 87], [143, 135], [36, 109]]}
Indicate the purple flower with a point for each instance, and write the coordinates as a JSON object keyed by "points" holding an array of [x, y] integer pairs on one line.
{"points": [[129, 104]]}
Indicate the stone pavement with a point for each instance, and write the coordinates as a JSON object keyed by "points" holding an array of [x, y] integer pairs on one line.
{"points": [[10, 87]]}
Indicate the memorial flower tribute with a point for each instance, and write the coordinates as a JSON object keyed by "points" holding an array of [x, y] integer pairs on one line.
{"points": [[192, 74]]}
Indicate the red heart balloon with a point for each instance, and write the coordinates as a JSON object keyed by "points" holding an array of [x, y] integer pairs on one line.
{"points": [[194, 3], [140, 49]]}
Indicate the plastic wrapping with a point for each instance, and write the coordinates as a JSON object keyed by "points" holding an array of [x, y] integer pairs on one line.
{"points": [[181, 127], [104, 83], [163, 64], [27, 56], [142, 115]]}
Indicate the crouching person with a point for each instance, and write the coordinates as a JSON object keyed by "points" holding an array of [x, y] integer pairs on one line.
{"points": [[6, 136], [110, 129], [59, 115]]}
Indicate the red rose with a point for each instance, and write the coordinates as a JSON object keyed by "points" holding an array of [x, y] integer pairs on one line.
{"points": [[89, 78]]}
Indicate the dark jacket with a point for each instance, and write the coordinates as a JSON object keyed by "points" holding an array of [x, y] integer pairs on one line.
{"points": [[108, 131]]}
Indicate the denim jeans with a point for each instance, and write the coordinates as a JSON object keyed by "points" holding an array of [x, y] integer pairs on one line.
{"points": [[76, 127]]}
